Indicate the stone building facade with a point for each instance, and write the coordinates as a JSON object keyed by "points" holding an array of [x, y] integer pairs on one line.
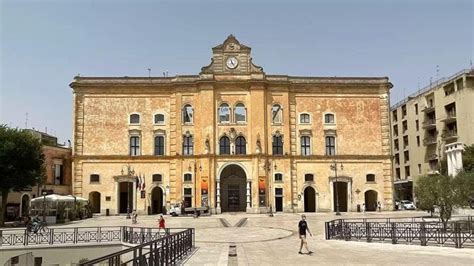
{"points": [[232, 138]]}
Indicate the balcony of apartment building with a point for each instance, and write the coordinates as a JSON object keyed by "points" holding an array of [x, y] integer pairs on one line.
{"points": [[397, 159], [450, 113], [396, 146], [450, 133], [431, 138], [394, 116], [429, 107], [433, 165], [405, 127], [395, 131], [406, 157], [430, 122], [405, 143]]}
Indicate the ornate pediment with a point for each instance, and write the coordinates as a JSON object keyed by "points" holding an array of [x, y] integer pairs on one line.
{"points": [[231, 57]]}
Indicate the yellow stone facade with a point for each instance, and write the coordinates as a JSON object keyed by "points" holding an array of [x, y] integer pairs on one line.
{"points": [[103, 107]]}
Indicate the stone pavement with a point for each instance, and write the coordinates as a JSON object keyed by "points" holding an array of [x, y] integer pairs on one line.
{"points": [[263, 240]]}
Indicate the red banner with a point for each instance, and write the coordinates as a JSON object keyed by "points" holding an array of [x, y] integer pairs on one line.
{"points": [[261, 185], [204, 185]]}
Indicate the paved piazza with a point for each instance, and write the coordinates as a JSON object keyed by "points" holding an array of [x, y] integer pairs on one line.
{"points": [[264, 240]]}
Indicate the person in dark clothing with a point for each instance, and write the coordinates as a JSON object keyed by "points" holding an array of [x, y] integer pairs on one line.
{"points": [[302, 228]]}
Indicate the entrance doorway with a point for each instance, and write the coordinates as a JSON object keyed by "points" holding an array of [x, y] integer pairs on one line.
{"points": [[157, 200], [233, 189], [309, 200], [25, 205], [370, 200], [94, 199], [341, 188], [126, 198]]}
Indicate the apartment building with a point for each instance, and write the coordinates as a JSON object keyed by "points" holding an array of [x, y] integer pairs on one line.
{"points": [[422, 124]]}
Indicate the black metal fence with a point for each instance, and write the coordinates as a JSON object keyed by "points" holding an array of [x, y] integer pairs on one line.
{"points": [[421, 230], [83, 235], [168, 250]]}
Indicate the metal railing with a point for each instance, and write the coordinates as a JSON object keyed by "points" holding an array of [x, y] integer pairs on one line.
{"points": [[168, 250], [420, 230], [83, 235]]}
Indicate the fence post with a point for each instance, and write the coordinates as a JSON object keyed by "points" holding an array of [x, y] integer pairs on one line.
{"points": [[457, 235], [341, 229], [367, 228], [51, 236], [394, 233], [423, 233], [75, 235]]}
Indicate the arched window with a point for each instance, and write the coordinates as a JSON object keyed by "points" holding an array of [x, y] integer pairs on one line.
{"points": [[329, 119], [224, 145], [240, 113], [240, 145], [159, 145], [304, 119], [224, 113], [159, 119], [188, 114], [134, 119], [277, 145], [305, 146], [276, 114], [370, 178]]}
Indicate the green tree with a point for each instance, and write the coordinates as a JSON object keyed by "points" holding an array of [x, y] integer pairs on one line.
{"points": [[444, 192], [468, 158], [21, 163]]}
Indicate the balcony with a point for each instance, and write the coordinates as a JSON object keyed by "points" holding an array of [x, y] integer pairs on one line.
{"points": [[429, 123], [428, 109], [430, 141], [450, 134], [451, 117]]}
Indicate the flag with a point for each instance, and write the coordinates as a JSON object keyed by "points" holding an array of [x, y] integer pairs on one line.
{"points": [[143, 182], [138, 181]]}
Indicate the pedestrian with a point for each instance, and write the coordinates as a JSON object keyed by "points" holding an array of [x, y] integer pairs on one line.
{"points": [[302, 228], [134, 217], [363, 207], [161, 224], [379, 206]]}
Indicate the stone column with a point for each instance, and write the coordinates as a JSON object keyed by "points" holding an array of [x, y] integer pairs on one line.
{"points": [[248, 195], [134, 200], [218, 194], [349, 196], [458, 156], [331, 189], [116, 197]]}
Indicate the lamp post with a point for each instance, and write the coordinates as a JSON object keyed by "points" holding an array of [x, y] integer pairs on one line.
{"points": [[130, 174], [334, 166]]}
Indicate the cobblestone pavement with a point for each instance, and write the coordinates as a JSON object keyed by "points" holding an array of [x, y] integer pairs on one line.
{"points": [[264, 240]]}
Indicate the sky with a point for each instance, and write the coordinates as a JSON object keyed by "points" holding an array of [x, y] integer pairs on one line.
{"points": [[44, 44]]}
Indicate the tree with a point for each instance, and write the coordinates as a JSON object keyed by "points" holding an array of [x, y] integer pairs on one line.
{"points": [[21, 163], [468, 158], [444, 192]]}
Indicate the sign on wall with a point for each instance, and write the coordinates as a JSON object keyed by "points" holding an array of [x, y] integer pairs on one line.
{"points": [[204, 191]]}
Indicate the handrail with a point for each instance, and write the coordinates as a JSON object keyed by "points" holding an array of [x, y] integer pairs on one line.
{"points": [[163, 251]]}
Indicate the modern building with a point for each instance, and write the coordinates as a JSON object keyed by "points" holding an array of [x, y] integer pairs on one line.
{"points": [[425, 122], [232, 138], [58, 176]]}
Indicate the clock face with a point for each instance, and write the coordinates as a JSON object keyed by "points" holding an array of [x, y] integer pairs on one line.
{"points": [[232, 62]]}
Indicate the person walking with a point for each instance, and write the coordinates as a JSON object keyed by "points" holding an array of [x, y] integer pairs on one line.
{"points": [[363, 208], [379, 206], [161, 224], [302, 228], [134, 217]]}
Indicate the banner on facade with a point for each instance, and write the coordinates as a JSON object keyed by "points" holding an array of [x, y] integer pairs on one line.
{"points": [[204, 191], [261, 185]]}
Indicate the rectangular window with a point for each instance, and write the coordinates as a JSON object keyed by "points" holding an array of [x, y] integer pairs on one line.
{"points": [[394, 116], [278, 177], [188, 191], [277, 145], [58, 174], [397, 173], [396, 145], [157, 178], [417, 125], [94, 178], [134, 146], [304, 119], [188, 145], [404, 111], [419, 168], [407, 171], [395, 130], [406, 155], [159, 145], [405, 126], [278, 192], [308, 177], [418, 141], [405, 141], [188, 177], [416, 108], [305, 146], [330, 145]]}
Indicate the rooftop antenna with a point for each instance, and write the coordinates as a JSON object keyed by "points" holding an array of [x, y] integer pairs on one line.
{"points": [[26, 120], [437, 74], [418, 81], [149, 72]]}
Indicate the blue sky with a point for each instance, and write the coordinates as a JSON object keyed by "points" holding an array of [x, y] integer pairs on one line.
{"points": [[45, 44]]}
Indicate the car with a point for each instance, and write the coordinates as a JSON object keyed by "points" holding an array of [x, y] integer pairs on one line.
{"points": [[175, 210], [407, 205]]}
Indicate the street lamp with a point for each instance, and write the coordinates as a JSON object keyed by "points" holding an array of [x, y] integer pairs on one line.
{"points": [[334, 167], [130, 174]]}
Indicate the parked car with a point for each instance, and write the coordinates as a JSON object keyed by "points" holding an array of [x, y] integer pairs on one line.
{"points": [[175, 210], [407, 205]]}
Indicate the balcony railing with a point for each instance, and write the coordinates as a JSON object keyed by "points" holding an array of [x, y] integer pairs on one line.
{"points": [[450, 117], [450, 134], [429, 123], [429, 141]]}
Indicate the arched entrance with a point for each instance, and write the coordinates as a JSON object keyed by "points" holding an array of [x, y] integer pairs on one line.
{"points": [[309, 200], [233, 182], [25, 205], [157, 200], [340, 196], [94, 199], [370, 200]]}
